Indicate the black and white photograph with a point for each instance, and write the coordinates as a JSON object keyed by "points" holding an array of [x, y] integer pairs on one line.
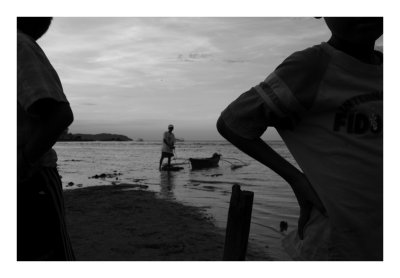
{"points": [[212, 138]]}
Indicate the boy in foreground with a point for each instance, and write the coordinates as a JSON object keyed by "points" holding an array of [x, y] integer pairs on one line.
{"points": [[43, 113], [326, 102]]}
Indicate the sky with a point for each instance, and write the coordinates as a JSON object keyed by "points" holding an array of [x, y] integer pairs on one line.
{"points": [[135, 75]]}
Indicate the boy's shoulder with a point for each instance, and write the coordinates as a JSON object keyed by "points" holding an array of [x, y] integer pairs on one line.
{"points": [[309, 60], [28, 49], [24, 40], [302, 73]]}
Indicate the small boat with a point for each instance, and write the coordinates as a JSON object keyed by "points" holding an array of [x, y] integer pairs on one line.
{"points": [[210, 162]]}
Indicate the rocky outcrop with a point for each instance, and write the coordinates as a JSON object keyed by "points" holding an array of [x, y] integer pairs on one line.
{"points": [[93, 137]]}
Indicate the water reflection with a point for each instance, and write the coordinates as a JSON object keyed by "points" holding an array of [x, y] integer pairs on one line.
{"points": [[167, 184]]}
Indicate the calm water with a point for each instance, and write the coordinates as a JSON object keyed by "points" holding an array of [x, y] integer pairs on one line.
{"points": [[211, 189]]}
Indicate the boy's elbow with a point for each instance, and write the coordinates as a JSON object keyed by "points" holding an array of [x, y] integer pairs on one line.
{"points": [[70, 116], [223, 130], [221, 126], [66, 115], [228, 134]]}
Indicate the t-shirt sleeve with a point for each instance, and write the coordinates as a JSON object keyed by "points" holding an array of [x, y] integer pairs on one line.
{"points": [[281, 100], [247, 115], [36, 77]]}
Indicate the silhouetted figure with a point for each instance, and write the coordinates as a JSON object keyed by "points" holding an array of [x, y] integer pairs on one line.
{"points": [[168, 146], [326, 103], [43, 113]]}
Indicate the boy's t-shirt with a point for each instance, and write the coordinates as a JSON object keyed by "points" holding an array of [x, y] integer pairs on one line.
{"points": [[328, 108], [36, 80]]}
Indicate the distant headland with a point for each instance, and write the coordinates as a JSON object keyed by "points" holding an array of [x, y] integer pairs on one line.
{"points": [[92, 137]]}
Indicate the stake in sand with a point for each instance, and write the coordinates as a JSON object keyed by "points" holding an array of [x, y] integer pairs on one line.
{"points": [[238, 226]]}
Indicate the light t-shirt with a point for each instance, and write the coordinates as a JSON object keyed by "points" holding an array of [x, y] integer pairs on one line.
{"points": [[170, 138], [36, 80], [328, 108]]}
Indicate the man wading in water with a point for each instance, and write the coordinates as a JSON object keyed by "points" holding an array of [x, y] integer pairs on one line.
{"points": [[168, 146]]}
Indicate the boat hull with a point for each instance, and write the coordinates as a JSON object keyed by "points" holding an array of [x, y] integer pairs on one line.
{"points": [[202, 163]]}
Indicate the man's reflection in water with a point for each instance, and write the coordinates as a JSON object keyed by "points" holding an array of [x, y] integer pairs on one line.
{"points": [[167, 184]]}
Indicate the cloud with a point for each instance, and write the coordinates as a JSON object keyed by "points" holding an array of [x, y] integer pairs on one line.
{"points": [[184, 70], [88, 103], [195, 57], [233, 61]]}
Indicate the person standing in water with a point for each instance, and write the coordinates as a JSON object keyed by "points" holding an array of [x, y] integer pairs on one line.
{"points": [[168, 146]]}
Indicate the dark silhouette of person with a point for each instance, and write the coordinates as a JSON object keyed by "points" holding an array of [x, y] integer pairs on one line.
{"points": [[43, 113], [168, 146]]}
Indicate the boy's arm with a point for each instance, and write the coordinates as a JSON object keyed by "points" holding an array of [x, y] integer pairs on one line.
{"points": [[263, 153], [281, 100], [56, 117]]}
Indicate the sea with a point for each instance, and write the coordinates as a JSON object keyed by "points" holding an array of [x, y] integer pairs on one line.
{"points": [[81, 163]]}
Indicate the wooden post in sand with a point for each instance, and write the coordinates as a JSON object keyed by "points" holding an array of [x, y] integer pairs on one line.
{"points": [[238, 226]]}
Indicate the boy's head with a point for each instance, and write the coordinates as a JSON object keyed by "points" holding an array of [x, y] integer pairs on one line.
{"points": [[170, 127], [34, 27], [356, 30]]}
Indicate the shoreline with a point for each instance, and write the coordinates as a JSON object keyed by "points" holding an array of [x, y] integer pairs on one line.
{"points": [[125, 223]]}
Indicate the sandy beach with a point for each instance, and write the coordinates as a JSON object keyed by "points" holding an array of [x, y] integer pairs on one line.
{"points": [[124, 223]]}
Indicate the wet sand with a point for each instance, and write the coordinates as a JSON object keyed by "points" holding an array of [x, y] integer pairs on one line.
{"points": [[122, 223]]}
